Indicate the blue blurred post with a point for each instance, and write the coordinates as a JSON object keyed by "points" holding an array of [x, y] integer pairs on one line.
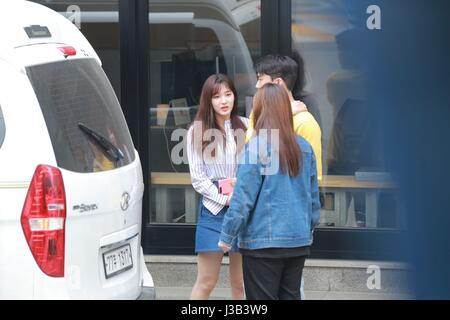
{"points": [[409, 87]]}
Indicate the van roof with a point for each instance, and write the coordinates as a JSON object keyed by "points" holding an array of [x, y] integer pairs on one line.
{"points": [[24, 23]]}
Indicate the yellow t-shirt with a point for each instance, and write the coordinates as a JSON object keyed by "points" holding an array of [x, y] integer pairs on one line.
{"points": [[306, 127]]}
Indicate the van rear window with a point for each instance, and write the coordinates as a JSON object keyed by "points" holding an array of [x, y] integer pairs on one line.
{"points": [[84, 119]]}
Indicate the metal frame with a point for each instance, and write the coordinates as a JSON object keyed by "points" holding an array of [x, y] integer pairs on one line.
{"points": [[134, 35], [276, 27]]}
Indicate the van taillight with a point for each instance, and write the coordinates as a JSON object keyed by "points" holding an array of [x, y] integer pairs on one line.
{"points": [[43, 219]]}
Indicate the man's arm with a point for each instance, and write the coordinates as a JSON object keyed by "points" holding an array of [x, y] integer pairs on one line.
{"points": [[250, 127], [310, 131]]}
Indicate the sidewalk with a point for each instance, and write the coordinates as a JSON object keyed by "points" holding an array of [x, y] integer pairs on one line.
{"points": [[174, 277], [182, 293]]}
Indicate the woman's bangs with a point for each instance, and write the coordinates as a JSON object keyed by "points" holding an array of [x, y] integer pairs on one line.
{"points": [[218, 86]]}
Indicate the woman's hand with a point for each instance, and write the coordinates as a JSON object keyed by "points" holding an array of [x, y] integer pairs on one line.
{"points": [[233, 183], [298, 107], [225, 247], [227, 203]]}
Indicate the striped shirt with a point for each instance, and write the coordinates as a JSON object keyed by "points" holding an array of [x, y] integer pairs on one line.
{"points": [[204, 170]]}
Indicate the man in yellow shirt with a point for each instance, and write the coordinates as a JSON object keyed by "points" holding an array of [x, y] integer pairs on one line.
{"points": [[282, 70]]}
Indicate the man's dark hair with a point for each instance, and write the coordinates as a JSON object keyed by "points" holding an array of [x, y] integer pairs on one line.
{"points": [[278, 66]]}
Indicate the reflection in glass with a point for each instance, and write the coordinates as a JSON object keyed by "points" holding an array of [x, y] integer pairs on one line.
{"points": [[99, 23], [356, 191], [189, 41]]}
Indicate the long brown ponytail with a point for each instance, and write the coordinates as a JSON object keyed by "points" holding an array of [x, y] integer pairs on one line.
{"points": [[272, 110]]}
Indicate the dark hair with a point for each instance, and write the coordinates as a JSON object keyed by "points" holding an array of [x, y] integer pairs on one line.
{"points": [[299, 92], [272, 110], [206, 113], [300, 83], [350, 49], [278, 66]]}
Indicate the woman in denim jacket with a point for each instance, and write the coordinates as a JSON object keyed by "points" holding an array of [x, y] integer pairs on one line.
{"points": [[275, 204]]}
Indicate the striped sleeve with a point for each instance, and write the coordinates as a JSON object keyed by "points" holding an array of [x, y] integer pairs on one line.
{"points": [[213, 200], [245, 121]]}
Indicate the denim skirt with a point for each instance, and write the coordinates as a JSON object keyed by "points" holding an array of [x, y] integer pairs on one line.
{"points": [[209, 227]]}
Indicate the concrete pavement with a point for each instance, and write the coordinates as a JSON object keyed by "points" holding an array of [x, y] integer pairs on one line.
{"points": [[182, 293]]}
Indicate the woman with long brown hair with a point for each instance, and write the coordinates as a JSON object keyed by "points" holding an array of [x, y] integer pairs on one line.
{"points": [[213, 142], [276, 205]]}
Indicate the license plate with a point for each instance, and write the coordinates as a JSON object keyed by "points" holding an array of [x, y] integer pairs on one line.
{"points": [[117, 261]]}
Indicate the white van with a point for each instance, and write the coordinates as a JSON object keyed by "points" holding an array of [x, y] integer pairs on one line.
{"points": [[70, 178]]}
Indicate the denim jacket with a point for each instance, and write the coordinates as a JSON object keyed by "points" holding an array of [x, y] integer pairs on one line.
{"points": [[272, 210]]}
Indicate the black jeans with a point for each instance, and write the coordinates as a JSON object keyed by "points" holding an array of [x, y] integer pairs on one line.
{"points": [[272, 278]]}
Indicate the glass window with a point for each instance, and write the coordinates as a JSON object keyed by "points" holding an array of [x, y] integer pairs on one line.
{"points": [[356, 190], [189, 41], [83, 117], [99, 22], [2, 128], [246, 14]]}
